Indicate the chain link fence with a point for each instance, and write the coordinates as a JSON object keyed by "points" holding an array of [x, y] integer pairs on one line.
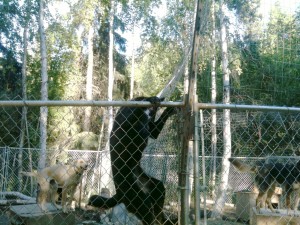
{"points": [[160, 166], [65, 133], [256, 136]]}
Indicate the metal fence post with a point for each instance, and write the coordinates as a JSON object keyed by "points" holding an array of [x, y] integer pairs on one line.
{"points": [[204, 189], [196, 168]]}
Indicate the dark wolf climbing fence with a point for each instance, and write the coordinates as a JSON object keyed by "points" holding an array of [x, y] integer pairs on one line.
{"points": [[160, 160]]}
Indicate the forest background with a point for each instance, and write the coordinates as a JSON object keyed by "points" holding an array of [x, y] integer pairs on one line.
{"points": [[263, 52]]}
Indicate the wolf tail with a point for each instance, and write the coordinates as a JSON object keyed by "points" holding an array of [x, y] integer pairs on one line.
{"points": [[103, 202], [243, 167]]}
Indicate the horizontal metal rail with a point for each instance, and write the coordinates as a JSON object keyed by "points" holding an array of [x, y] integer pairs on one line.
{"points": [[146, 104], [87, 103], [247, 107]]}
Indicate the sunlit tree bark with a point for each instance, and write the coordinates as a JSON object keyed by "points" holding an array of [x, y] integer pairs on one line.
{"points": [[89, 79], [111, 64], [213, 100], [24, 108], [106, 164], [44, 88], [132, 63], [221, 195]]}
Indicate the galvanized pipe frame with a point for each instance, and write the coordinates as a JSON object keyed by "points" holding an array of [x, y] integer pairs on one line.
{"points": [[198, 107], [246, 107], [86, 103], [196, 164], [198, 124]]}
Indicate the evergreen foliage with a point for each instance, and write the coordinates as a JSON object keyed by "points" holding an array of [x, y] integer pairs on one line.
{"points": [[264, 57]]}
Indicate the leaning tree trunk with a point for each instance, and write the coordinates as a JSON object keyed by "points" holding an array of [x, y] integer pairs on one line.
{"points": [[221, 195], [177, 75], [44, 89]]}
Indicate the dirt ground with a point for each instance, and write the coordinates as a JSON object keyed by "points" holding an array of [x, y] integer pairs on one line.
{"points": [[228, 218], [84, 217], [223, 222]]}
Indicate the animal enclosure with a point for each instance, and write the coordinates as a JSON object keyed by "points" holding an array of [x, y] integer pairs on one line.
{"points": [[161, 160], [232, 78]]}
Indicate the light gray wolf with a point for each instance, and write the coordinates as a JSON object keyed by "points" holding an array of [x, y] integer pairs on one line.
{"points": [[50, 178]]}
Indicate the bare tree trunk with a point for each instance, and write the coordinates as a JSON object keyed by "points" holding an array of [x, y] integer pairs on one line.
{"points": [[132, 64], [44, 89], [106, 164], [89, 80], [111, 64], [24, 108], [221, 195], [213, 100], [24, 88]]}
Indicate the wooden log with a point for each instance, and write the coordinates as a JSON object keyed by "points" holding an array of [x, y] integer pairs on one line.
{"points": [[245, 200], [33, 215], [280, 217], [16, 194]]}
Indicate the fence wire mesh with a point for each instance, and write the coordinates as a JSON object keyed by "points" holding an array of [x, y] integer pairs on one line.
{"points": [[65, 145], [267, 141], [256, 137]]}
